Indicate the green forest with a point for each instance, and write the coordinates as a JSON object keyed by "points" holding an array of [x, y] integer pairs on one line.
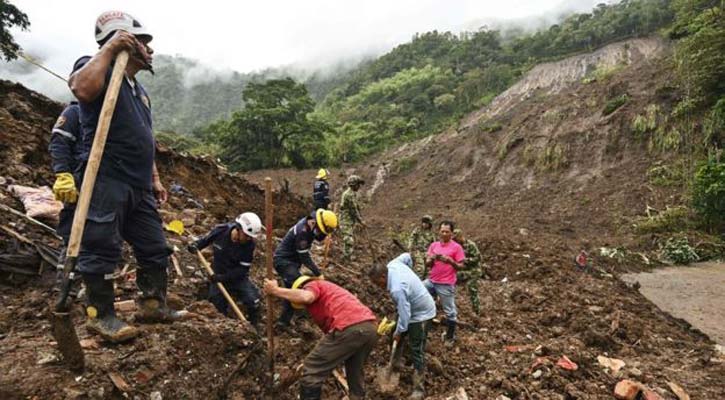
{"points": [[417, 89]]}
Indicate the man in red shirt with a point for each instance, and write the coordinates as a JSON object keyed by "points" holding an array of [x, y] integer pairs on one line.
{"points": [[349, 327]]}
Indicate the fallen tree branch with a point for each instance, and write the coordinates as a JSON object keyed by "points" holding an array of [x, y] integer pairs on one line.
{"points": [[30, 219]]}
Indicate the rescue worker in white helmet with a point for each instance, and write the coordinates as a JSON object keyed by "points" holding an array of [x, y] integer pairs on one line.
{"points": [[233, 245]]}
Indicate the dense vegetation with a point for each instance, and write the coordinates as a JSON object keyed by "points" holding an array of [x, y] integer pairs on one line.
{"points": [[424, 86]]}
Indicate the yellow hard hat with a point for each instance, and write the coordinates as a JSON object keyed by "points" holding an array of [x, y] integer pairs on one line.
{"points": [[322, 174], [299, 282], [175, 226], [326, 220]]}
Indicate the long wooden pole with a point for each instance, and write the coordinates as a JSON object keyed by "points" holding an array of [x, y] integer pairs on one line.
{"points": [[269, 214], [221, 287]]}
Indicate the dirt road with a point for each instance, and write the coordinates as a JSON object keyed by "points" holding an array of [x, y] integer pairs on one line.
{"points": [[695, 294]]}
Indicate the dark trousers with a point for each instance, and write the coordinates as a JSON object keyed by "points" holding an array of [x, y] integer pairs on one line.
{"points": [[289, 271], [415, 338], [243, 290], [121, 212], [350, 346]]}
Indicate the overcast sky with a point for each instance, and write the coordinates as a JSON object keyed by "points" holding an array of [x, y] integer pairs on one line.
{"points": [[252, 35]]}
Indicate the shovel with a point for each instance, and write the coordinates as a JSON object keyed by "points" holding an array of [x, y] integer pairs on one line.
{"points": [[387, 380], [63, 329]]}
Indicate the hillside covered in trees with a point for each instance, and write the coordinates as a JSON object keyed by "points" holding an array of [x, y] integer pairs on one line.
{"points": [[418, 88]]}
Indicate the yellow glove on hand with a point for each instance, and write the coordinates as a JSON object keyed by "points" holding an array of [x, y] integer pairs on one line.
{"points": [[385, 326], [64, 188]]}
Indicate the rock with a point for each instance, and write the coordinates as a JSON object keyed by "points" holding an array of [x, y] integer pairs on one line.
{"points": [[436, 366], [567, 364], [678, 391], [651, 395], [155, 396], [537, 374], [627, 390], [188, 217], [613, 364]]}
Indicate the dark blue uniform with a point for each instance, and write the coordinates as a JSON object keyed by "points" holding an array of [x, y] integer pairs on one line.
{"points": [[291, 254], [321, 194], [231, 265], [123, 206], [66, 146]]}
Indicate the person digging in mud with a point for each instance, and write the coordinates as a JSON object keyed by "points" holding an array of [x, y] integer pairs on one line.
{"points": [[472, 268], [416, 309], [350, 215], [349, 327], [418, 243], [321, 190], [444, 258], [233, 245], [65, 154], [294, 251], [124, 201]]}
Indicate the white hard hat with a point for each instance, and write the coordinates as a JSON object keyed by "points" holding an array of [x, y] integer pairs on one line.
{"points": [[250, 223], [111, 21]]}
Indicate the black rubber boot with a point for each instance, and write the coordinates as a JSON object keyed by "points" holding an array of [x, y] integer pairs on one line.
{"points": [[101, 315], [152, 307], [310, 393], [450, 333]]}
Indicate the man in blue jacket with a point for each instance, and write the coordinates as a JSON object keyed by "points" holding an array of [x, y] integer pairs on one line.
{"points": [[233, 245], [416, 309], [66, 143], [294, 251]]}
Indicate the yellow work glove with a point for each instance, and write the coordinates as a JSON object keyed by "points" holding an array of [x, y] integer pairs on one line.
{"points": [[64, 188], [385, 326]]}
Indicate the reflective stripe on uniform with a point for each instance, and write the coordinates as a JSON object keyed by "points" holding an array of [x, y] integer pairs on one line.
{"points": [[65, 134]]}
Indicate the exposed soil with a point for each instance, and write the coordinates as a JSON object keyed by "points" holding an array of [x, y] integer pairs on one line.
{"points": [[529, 218]]}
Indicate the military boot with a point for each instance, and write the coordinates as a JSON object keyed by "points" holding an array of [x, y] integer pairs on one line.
{"points": [[310, 393], [418, 386], [152, 307], [101, 315]]}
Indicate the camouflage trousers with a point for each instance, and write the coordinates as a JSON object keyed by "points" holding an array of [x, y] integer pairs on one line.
{"points": [[419, 268], [470, 280], [347, 233]]}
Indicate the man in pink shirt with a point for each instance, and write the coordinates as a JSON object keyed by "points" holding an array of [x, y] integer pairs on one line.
{"points": [[444, 258]]}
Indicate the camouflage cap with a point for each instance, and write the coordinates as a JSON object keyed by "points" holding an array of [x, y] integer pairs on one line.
{"points": [[427, 219], [457, 231], [355, 180]]}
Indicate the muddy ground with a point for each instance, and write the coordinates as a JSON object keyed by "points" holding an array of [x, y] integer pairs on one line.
{"points": [[537, 307]]}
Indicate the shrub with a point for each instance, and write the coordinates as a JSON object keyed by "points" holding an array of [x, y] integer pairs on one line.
{"points": [[613, 104], [679, 251], [708, 192], [672, 219]]}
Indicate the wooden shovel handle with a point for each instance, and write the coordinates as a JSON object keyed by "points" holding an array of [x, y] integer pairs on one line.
{"points": [[221, 287], [269, 217], [96, 154]]}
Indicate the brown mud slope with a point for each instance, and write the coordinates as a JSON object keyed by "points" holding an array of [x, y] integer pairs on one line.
{"points": [[534, 184]]}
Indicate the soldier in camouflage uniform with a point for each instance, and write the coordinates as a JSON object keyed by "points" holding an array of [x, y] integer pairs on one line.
{"points": [[418, 243], [473, 268], [350, 215]]}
